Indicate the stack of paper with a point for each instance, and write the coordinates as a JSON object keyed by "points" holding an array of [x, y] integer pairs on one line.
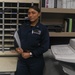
{"points": [[65, 52]]}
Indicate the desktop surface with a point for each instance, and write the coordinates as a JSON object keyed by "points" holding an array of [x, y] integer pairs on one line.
{"points": [[8, 64]]}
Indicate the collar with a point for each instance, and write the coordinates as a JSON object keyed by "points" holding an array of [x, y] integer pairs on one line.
{"points": [[37, 25]]}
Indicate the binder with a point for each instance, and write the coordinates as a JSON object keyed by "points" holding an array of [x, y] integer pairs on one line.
{"points": [[73, 25], [70, 25], [55, 3]]}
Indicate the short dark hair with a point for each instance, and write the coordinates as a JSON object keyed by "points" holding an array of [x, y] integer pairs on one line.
{"points": [[35, 8]]}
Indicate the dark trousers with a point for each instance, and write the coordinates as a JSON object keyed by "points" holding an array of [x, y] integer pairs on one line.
{"points": [[32, 66]]}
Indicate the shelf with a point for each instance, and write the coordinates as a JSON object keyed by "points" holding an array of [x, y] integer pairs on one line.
{"points": [[1, 29], [23, 13], [0, 39], [1, 23], [54, 16], [21, 18], [8, 45], [9, 53], [8, 35], [27, 1], [58, 10], [11, 7], [1, 35], [9, 40], [0, 45], [1, 18], [62, 34], [9, 24], [23, 7], [11, 29], [10, 18], [12, 13]]}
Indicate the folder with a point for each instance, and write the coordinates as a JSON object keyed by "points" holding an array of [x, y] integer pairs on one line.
{"points": [[16, 36]]}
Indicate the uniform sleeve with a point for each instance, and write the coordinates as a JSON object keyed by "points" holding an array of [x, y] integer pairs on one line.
{"points": [[44, 45]]}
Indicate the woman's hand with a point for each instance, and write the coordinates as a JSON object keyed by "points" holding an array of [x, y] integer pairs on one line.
{"points": [[26, 55], [19, 50]]}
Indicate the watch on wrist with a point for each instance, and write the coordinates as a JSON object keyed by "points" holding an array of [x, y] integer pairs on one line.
{"points": [[30, 53]]}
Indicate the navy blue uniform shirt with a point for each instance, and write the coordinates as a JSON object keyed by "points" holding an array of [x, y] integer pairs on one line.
{"points": [[34, 38]]}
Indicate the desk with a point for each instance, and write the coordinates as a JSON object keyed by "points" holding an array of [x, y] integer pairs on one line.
{"points": [[8, 53], [8, 62], [8, 65]]}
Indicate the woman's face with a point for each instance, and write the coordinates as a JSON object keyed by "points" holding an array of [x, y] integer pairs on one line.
{"points": [[33, 15]]}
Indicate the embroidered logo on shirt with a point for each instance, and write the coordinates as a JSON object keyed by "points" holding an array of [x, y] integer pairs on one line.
{"points": [[36, 31]]}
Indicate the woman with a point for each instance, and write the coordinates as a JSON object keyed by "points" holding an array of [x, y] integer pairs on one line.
{"points": [[34, 39]]}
